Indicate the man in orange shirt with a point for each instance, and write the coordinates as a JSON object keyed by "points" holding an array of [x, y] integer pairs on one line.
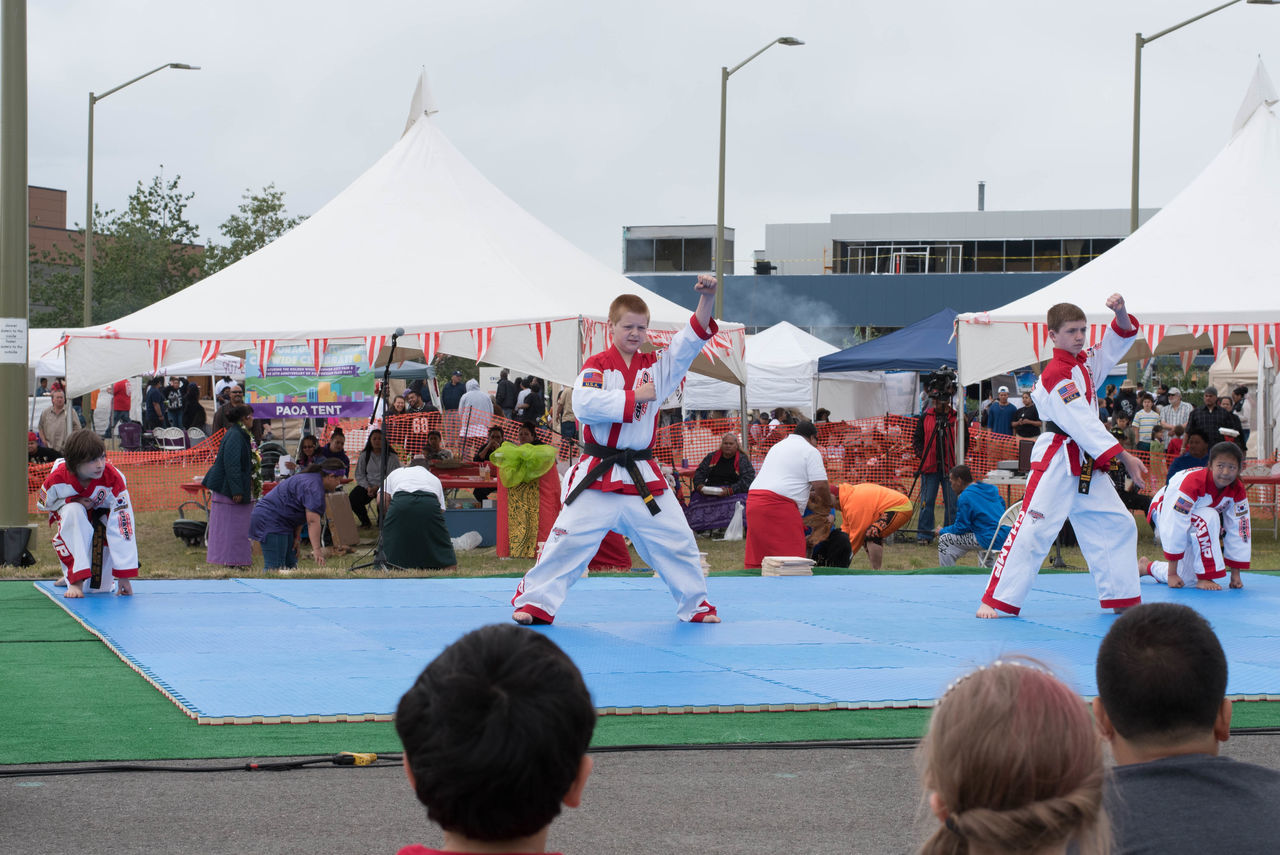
{"points": [[869, 513]]}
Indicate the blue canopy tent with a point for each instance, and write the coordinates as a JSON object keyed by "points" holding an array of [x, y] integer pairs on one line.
{"points": [[924, 346]]}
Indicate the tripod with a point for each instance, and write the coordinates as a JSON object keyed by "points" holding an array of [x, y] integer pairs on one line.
{"points": [[935, 442], [382, 406]]}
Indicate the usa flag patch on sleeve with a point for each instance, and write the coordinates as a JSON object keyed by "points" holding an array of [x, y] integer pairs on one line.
{"points": [[1069, 392], [593, 379], [1183, 505]]}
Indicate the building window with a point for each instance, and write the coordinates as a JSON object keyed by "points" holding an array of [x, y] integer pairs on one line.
{"points": [[990, 257], [639, 255], [1048, 256], [668, 255], [698, 253]]}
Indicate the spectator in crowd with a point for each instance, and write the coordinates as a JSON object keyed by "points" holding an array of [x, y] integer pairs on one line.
{"points": [[334, 449], [870, 513], [1123, 431], [234, 483], [1159, 463], [1162, 396], [1012, 763], [822, 415], [153, 405], [505, 396], [1195, 453], [414, 533], [1242, 406], [720, 485], [121, 401], [307, 448], [978, 511], [58, 422], [414, 403], [934, 442], [527, 434], [535, 406], [278, 518], [1202, 516], [828, 543], [220, 391], [420, 386], [42, 387], [85, 495], [1145, 419], [193, 414], [522, 397], [1176, 412], [399, 405], [1162, 680], [1126, 401], [495, 734], [1213, 416], [998, 416], [452, 393], [369, 475], [235, 397], [435, 450], [483, 454], [475, 414], [1026, 420], [1175, 442], [563, 418], [174, 402], [37, 453], [1108, 404], [779, 494], [58, 383]]}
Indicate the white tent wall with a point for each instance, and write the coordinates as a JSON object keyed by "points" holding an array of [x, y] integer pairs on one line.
{"points": [[421, 241], [1201, 266]]}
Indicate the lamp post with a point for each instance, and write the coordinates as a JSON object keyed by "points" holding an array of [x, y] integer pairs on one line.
{"points": [[724, 91], [1140, 41], [88, 217]]}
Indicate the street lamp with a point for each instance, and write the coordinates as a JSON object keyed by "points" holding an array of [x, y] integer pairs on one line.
{"points": [[88, 217], [724, 90], [1138, 43]]}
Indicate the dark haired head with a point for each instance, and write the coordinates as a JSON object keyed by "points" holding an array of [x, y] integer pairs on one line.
{"points": [[328, 466], [806, 430], [235, 414], [494, 731], [336, 432], [532, 428], [1226, 449], [1161, 674], [434, 433], [81, 447], [1240, 390], [962, 473]]}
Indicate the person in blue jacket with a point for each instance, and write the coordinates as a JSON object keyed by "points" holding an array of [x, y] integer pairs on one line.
{"points": [[978, 511]]}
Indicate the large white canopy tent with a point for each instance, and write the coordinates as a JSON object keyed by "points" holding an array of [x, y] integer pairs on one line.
{"points": [[1198, 274], [420, 241], [782, 364]]}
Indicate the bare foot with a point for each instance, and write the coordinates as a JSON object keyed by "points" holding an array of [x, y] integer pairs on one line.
{"points": [[1144, 566], [1175, 581], [125, 588], [61, 582], [75, 592], [1208, 585], [985, 611], [522, 618], [1236, 581], [707, 619]]}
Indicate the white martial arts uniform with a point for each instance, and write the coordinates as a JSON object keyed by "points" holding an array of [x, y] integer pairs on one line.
{"points": [[73, 535], [1066, 395], [604, 400], [1192, 514]]}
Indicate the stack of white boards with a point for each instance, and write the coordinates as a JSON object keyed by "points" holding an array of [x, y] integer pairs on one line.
{"points": [[783, 565]]}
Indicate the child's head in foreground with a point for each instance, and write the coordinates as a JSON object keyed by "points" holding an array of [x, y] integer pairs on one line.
{"points": [[85, 454], [495, 734], [1068, 327], [1012, 763]]}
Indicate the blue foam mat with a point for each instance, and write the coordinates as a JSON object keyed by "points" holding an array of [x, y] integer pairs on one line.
{"points": [[247, 650]]}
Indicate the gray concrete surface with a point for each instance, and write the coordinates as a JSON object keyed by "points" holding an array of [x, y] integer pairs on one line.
{"points": [[827, 800]]}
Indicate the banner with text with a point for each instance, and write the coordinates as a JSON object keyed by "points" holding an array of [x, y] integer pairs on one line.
{"points": [[293, 388]]}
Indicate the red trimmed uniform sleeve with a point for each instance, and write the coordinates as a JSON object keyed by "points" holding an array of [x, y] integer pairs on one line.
{"points": [[704, 333]]}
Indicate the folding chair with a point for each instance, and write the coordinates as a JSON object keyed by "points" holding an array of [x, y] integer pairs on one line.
{"points": [[195, 436], [171, 439], [130, 434], [987, 556]]}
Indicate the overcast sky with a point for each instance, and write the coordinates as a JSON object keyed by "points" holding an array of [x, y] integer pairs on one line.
{"points": [[595, 115]]}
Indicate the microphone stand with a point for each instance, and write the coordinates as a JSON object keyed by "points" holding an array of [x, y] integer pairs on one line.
{"points": [[380, 558]]}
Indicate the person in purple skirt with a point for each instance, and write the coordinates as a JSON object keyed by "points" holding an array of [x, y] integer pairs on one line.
{"points": [[233, 486]]}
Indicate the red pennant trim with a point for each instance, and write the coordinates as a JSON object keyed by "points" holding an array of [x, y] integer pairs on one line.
{"points": [[159, 347], [209, 351], [265, 347], [483, 337], [317, 346], [374, 344]]}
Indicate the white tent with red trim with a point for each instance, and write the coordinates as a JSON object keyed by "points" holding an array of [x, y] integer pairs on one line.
{"points": [[420, 241], [1200, 273]]}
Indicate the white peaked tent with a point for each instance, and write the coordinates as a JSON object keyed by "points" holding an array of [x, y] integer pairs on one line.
{"points": [[782, 362], [1200, 273], [420, 241]]}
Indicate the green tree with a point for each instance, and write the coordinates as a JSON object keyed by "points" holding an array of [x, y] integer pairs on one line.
{"points": [[261, 219], [147, 253]]}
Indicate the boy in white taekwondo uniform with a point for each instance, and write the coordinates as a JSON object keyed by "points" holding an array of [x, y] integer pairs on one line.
{"points": [[616, 484], [1068, 472], [1190, 512]]}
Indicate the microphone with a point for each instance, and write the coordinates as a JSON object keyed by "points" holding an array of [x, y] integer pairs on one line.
{"points": [[399, 332]]}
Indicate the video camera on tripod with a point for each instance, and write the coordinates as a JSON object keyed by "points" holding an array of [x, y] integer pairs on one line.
{"points": [[940, 384]]}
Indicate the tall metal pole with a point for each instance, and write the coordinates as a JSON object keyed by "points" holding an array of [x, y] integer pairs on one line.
{"points": [[718, 310], [14, 257], [88, 227]]}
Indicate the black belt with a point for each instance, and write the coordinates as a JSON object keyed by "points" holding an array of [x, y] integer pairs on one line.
{"points": [[1053, 428], [610, 457]]}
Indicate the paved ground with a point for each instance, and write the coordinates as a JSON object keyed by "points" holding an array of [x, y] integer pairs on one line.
{"points": [[827, 800]]}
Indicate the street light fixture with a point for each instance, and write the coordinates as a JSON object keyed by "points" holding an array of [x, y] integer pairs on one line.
{"points": [[724, 90], [1139, 42], [88, 217]]}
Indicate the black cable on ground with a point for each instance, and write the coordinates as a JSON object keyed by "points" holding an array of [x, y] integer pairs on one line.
{"points": [[346, 758]]}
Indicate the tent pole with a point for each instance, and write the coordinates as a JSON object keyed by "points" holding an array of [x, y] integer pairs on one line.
{"points": [[742, 411], [961, 416]]}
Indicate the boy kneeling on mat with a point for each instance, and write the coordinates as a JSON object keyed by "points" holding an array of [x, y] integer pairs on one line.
{"points": [[495, 734], [89, 509]]}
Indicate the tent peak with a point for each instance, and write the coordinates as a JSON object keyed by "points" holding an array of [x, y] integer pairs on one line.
{"points": [[422, 104], [1261, 91]]}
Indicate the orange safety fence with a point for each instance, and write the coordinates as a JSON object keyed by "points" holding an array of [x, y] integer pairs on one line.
{"points": [[875, 450]]}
